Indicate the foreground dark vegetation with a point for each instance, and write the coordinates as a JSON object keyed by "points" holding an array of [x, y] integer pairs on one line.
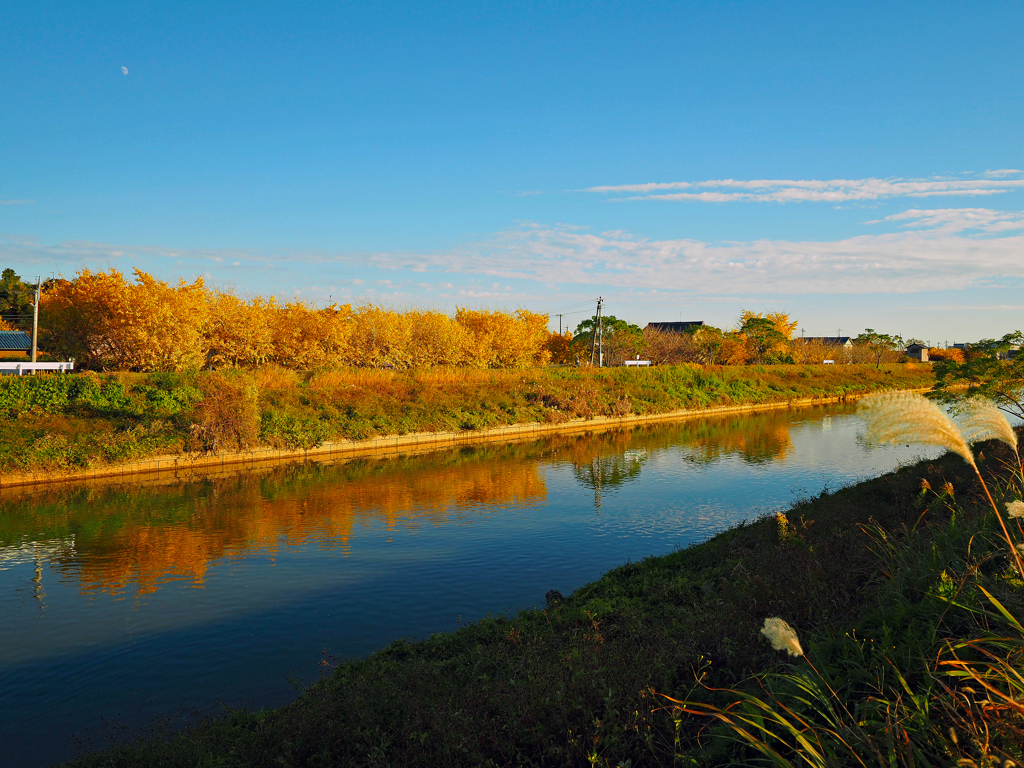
{"points": [[900, 588], [65, 422]]}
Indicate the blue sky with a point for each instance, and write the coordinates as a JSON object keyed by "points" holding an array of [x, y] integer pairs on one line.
{"points": [[857, 165]]}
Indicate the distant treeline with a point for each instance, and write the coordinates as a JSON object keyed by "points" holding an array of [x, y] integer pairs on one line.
{"points": [[757, 339], [106, 322]]}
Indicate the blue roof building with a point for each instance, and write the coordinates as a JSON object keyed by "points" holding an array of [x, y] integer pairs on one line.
{"points": [[15, 341]]}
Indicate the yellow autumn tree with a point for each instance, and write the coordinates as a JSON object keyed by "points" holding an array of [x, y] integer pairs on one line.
{"points": [[381, 338], [436, 339], [500, 340], [559, 347], [168, 330], [241, 333], [106, 322], [306, 337]]}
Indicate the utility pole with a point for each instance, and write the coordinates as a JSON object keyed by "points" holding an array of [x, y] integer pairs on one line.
{"points": [[600, 336], [35, 321], [559, 323], [598, 326]]}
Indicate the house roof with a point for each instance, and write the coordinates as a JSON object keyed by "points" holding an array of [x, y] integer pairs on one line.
{"points": [[15, 341], [688, 326], [832, 340], [915, 346]]}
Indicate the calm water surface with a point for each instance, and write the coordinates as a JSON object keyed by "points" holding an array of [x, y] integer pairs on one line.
{"points": [[122, 604]]}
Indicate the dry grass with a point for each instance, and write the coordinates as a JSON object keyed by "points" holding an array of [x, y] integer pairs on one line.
{"points": [[275, 378], [448, 377]]}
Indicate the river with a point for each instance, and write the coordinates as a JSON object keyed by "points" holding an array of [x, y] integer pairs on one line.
{"points": [[126, 606]]}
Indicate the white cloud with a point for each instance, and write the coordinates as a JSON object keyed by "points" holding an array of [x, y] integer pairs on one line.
{"points": [[931, 257], [797, 190], [940, 249], [960, 219]]}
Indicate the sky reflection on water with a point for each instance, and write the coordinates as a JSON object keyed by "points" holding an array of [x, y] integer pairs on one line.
{"points": [[131, 600]]}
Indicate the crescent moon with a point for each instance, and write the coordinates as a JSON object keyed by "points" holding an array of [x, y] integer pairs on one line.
{"points": [[125, 70]]}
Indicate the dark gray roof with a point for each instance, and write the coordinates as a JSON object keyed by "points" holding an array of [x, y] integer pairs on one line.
{"points": [[833, 340], [15, 341], [683, 327]]}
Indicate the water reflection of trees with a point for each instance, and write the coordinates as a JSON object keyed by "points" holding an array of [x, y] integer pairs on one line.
{"points": [[149, 535], [606, 473], [152, 531], [756, 440], [605, 462]]}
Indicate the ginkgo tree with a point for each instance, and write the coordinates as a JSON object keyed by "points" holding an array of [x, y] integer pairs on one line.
{"points": [[109, 322]]}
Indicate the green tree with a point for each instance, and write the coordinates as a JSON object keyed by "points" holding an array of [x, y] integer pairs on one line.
{"points": [[622, 339], [765, 342], [989, 372], [878, 343], [15, 300]]}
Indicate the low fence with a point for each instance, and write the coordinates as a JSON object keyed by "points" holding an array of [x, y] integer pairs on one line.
{"points": [[19, 369]]}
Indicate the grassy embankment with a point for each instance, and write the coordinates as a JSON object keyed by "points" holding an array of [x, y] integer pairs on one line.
{"points": [[59, 422], [876, 578]]}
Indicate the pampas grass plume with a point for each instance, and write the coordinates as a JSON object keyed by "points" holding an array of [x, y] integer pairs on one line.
{"points": [[907, 417], [1015, 509], [782, 636], [984, 421]]}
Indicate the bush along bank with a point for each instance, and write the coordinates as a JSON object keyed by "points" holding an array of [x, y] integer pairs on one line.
{"points": [[898, 600], [61, 422]]}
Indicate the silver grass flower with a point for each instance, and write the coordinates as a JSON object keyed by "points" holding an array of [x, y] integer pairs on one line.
{"points": [[907, 417], [1015, 509], [982, 420], [782, 636]]}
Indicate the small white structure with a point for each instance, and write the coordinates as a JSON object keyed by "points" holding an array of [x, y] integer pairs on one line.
{"points": [[828, 362], [18, 369], [638, 363], [917, 351]]}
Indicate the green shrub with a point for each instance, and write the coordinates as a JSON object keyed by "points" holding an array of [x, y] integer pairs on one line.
{"points": [[285, 430]]}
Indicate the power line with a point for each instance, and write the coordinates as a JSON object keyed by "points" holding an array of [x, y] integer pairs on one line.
{"points": [[573, 306], [566, 314]]}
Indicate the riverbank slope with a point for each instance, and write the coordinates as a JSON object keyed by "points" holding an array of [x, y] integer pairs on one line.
{"points": [[62, 427], [880, 580]]}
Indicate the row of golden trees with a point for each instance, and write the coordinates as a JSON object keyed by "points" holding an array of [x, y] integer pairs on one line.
{"points": [[106, 322]]}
